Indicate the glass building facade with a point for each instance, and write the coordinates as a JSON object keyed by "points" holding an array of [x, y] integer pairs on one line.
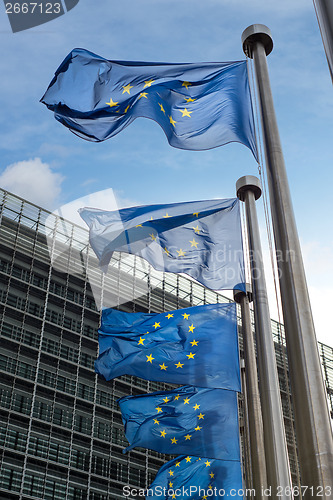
{"points": [[61, 434]]}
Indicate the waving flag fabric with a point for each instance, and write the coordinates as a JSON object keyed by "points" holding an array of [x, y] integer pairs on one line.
{"points": [[187, 420], [196, 478], [200, 238], [196, 346], [198, 105]]}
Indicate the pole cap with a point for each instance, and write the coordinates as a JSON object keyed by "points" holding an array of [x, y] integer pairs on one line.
{"points": [[248, 183], [238, 294], [257, 33]]}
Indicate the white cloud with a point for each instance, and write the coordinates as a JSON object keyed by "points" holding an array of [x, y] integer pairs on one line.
{"points": [[34, 181]]}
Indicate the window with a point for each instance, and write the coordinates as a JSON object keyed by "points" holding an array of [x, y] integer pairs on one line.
{"points": [[10, 479], [33, 486]]}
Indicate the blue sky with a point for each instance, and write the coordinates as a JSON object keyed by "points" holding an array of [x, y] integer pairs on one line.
{"points": [[43, 162]]}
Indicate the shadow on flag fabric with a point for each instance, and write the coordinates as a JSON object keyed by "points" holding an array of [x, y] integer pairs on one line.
{"points": [[196, 346], [187, 420], [196, 478], [198, 105], [200, 238]]}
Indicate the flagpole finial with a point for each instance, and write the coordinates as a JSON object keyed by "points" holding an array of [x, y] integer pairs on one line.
{"points": [[257, 33], [238, 294], [246, 183]]}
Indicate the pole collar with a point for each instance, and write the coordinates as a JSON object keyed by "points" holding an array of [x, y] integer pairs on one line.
{"points": [[238, 294], [248, 183], [257, 33]]}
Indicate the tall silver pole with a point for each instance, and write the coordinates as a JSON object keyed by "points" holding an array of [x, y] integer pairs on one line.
{"points": [[312, 421], [277, 463], [324, 11], [256, 432]]}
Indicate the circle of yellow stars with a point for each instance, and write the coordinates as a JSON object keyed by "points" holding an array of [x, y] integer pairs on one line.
{"points": [[186, 401], [126, 89], [194, 343]]}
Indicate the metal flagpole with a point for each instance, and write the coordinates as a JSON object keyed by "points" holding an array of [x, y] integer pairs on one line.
{"points": [[324, 11], [257, 450], [312, 422], [277, 463]]}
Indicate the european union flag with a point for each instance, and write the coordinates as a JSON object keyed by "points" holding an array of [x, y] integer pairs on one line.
{"points": [[193, 478], [187, 420], [195, 346], [198, 105], [200, 238]]}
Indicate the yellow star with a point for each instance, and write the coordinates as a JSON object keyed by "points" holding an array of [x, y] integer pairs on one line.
{"points": [[163, 367], [194, 243], [143, 94], [156, 421], [201, 416], [149, 358], [159, 410], [196, 214], [127, 109], [141, 341], [191, 355], [111, 103], [194, 342], [210, 487], [189, 99], [163, 433], [204, 497], [196, 229], [171, 472], [148, 83], [188, 437], [207, 463], [166, 251], [169, 316], [162, 109], [196, 407], [212, 475], [156, 325], [153, 237], [186, 401], [145, 333], [173, 496], [177, 464], [139, 225], [181, 253], [170, 484], [179, 364], [188, 459], [191, 328], [174, 441], [186, 84], [177, 397], [166, 400], [127, 88], [186, 112], [185, 316], [172, 121], [166, 216], [198, 428]]}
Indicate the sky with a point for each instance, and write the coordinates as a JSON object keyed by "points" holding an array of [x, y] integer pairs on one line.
{"points": [[43, 162]]}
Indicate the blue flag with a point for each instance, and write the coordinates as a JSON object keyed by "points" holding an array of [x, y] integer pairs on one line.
{"points": [[193, 478], [198, 105], [196, 346], [200, 238], [187, 420]]}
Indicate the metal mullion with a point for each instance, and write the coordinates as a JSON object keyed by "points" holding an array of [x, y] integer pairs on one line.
{"points": [[96, 376], [37, 367], [77, 371]]}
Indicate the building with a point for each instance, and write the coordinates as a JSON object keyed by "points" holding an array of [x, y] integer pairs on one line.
{"points": [[61, 431]]}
